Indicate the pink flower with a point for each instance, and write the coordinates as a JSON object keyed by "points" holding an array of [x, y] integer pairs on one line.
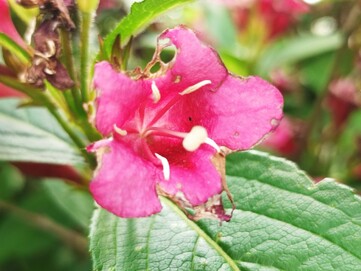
{"points": [[277, 15], [167, 131], [6, 25], [285, 139], [343, 99], [5, 91]]}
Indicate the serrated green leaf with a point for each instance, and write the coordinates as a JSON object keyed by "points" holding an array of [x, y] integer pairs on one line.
{"points": [[14, 48], [32, 134], [140, 16], [283, 221], [292, 50]]}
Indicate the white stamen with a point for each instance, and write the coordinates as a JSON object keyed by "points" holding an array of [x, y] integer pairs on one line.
{"points": [[155, 92], [48, 71], [195, 87], [166, 167], [213, 144], [119, 131], [52, 47], [195, 138]]}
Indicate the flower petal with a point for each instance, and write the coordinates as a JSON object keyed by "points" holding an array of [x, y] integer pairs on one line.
{"points": [[124, 183], [194, 62], [119, 97], [6, 25], [193, 174], [238, 115]]}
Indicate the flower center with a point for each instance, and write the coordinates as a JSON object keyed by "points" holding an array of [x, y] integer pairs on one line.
{"points": [[191, 141]]}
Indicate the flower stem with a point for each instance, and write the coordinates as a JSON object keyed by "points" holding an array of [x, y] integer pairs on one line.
{"points": [[81, 115], [84, 54], [70, 237], [69, 64]]}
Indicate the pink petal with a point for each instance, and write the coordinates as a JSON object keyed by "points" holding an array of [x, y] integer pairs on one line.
{"points": [[125, 184], [6, 92], [238, 115], [243, 112], [6, 25], [194, 62], [193, 174], [119, 97], [283, 140]]}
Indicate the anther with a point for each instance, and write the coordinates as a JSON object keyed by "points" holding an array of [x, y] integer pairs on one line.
{"points": [[52, 47], [155, 93], [119, 131], [195, 87], [49, 71], [165, 164]]}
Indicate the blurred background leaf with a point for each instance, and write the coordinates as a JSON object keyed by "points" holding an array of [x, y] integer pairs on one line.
{"points": [[31, 134]]}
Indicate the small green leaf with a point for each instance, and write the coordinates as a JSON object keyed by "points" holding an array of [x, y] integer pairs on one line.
{"points": [[14, 48], [283, 221], [295, 49], [32, 134], [140, 16]]}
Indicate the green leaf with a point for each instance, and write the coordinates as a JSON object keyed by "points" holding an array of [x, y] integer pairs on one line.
{"points": [[283, 221], [221, 27], [14, 48], [32, 134], [140, 16], [76, 203], [316, 71], [295, 49], [11, 180]]}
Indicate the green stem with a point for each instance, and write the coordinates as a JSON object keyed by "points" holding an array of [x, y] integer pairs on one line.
{"points": [[69, 64], [84, 54], [82, 119], [68, 236]]}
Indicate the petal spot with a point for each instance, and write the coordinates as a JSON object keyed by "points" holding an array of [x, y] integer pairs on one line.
{"points": [[275, 123]]}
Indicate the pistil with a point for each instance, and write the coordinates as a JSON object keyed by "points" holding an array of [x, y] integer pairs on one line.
{"points": [[191, 141]]}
